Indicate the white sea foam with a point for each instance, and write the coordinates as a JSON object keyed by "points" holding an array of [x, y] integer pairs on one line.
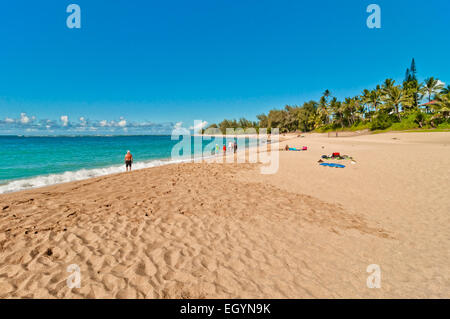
{"points": [[46, 180]]}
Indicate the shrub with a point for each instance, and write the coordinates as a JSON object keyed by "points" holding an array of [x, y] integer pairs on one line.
{"points": [[381, 122], [407, 123], [419, 118]]}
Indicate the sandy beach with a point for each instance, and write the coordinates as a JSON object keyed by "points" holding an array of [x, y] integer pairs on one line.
{"points": [[209, 230]]}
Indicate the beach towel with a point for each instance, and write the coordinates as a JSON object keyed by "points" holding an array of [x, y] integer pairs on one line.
{"points": [[304, 148], [332, 165]]}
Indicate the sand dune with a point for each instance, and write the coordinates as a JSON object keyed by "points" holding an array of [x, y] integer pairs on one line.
{"points": [[208, 230]]}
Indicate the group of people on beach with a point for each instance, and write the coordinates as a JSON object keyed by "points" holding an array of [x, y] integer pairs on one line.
{"points": [[232, 147]]}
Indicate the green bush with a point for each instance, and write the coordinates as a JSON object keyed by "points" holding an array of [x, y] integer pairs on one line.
{"points": [[381, 122], [420, 118], [444, 125], [360, 126], [407, 123]]}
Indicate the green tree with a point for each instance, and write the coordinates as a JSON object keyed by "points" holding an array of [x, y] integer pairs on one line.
{"points": [[412, 85], [413, 70], [432, 86], [445, 90], [373, 99], [396, 97], [306, 116], [323, 116], [263, 121], [441, 108], [276, 119], [387, 85]]}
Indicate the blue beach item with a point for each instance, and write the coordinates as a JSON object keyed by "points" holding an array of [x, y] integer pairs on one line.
{"points": [[298, 149], [333, 165]]}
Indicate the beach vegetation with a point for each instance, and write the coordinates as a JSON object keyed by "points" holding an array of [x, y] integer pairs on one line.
{"points": [[409, 105]]}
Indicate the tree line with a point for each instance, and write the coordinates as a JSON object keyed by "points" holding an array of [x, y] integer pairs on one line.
{"points": [[411, 104]]}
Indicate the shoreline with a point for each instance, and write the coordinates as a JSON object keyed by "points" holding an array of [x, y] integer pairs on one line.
{"points": [[118, 169], [40, 181]]}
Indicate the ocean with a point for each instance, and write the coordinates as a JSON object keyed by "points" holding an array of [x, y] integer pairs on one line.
{"points": [[29, 162]]}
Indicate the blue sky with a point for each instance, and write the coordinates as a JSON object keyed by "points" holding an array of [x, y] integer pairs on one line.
{"points": [[151, 64]]}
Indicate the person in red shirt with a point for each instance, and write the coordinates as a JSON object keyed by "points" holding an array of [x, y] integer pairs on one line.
{"points": [[128, 160], [224, 148]]}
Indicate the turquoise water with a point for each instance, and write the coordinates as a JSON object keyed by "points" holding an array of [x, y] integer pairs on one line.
{"points": [[29, 162]]}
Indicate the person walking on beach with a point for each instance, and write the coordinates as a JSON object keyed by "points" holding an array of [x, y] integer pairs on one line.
{"points": [[224, 148], [128, 160], [235, 147]]}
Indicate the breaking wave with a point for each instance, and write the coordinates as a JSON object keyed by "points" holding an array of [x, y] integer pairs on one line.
{"points": [[82, 174]]}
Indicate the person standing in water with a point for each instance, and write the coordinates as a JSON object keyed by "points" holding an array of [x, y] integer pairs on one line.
{"points": [[128, 160]]}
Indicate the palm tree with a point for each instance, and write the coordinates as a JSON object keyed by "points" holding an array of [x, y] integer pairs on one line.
{"points": [[360, 108], [322, 116], [323, 113], [442, 107], [432, 86], [387, 85], [445, 90], [347, 110], [365, 101], [337, 111], [396, 97], [372, 99]]}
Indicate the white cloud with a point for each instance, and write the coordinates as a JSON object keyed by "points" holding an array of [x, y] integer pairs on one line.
{"points": [[122, 123], [178, 129], [439, 82], [198, 125], [64, 120], [83, 121], [64, 126], [24, 119]]}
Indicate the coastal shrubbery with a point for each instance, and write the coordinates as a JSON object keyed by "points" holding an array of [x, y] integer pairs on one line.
{"points": [[410, 105], [381, 122]]}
